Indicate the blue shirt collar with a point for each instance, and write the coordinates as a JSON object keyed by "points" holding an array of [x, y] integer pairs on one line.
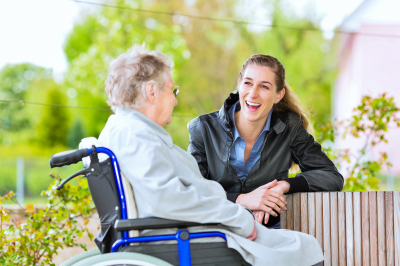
{"points": [[232, 117]]}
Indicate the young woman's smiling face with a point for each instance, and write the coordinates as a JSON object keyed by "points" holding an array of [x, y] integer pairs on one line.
{"points": [[258, 93]]}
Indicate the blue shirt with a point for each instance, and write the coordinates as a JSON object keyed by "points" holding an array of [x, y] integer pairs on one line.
{"points": [[236, 158]]}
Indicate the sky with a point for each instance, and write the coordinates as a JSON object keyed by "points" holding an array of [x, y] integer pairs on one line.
{"points": [[34, 31]]}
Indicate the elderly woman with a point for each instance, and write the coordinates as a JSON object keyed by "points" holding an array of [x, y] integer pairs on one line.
{"points": [[254, 140], [166, 180]]}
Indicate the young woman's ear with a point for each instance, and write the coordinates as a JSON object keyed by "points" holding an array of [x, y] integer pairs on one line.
{"points": [[281, 94]]}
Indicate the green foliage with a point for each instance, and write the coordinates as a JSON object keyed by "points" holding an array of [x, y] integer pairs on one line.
{"points": [[53, 128], [8, 174], [207, 55], [75, 134], [15, 81], [370, 122], [101, 37], [47, 230]]}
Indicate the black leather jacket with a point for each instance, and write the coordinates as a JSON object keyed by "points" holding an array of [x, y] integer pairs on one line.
{"points": [[211, 140]]}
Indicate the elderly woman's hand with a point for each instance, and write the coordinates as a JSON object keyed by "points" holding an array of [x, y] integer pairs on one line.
{"points": [[260, 216], [264, 199]]}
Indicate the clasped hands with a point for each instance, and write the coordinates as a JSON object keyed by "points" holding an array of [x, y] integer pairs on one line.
{"points": [[266, 200]]}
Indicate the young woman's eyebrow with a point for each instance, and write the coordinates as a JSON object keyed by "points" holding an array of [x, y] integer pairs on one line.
{"points": [[263, 81]]}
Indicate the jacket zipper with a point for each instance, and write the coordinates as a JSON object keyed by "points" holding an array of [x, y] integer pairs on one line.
{"points": [[229, 166], [265, 141]]}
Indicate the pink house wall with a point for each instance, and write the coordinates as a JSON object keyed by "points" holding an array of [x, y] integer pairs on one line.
{"points": [[369, 65]]}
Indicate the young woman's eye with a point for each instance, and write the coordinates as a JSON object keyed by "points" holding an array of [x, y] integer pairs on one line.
{"points": [[265, 87], [247, 83]]}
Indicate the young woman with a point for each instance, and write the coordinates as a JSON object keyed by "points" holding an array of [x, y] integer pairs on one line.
{"points": [[249, 145]]}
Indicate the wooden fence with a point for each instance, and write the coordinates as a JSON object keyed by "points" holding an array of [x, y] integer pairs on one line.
{"points": [[353, 228]]}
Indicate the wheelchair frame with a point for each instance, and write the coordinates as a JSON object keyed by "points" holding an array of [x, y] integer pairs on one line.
{"points": [[124, 224]]}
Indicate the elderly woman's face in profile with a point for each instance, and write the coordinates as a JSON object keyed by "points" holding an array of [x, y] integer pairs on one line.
{"points": [[258, 93], [166, 103]]}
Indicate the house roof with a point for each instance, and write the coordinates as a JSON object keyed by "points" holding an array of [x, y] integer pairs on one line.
{"points": [[373, 12]]}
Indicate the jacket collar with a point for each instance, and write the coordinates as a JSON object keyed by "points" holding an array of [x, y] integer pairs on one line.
{"points": [[141, 118], [276, 123]]}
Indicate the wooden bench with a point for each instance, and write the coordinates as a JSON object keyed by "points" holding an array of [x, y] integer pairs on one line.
{"points": [[353, 228]]}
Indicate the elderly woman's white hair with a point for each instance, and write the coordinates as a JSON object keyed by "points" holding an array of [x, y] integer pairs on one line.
{"points": [[129, 73]]}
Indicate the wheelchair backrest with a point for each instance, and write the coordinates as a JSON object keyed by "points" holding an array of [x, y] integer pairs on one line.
{"points": [[103, 188]]}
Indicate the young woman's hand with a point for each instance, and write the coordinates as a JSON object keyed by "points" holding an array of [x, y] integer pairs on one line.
{"points": [[281, 187], [264, 199]]}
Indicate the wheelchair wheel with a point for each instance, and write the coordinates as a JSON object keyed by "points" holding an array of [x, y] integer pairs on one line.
{"points": [[82, 256], [122, 258]]}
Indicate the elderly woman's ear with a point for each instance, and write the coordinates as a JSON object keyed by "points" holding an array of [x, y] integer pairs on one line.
{"points": [[150, 91]]}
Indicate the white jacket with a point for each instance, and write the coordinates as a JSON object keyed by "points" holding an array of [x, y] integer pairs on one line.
{"points": [[167, 183]]}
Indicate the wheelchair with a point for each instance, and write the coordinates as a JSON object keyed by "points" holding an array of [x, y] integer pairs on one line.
{"points": [[118, 240]]}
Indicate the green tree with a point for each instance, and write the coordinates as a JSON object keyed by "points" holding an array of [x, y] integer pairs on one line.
{"points": [[104, 35], [53, 127], [207, 54], [46, 230], [75, 134], [15, 83]]}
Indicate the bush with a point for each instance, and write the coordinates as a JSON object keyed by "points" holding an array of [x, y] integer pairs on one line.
{"points": [[369, 122], [46, 230]]}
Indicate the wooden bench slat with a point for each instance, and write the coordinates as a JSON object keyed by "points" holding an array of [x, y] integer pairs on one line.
{"points": [[319, 234], [342, 228], [389, 228], [353, 228], [284, 215], [304, 212], [349, 229], [380, 202], [296, 212], [289, 205], [311, 214], [373, 226], [365, 229], [357, 229], [334, 228], [396, 206], [326, 228]]}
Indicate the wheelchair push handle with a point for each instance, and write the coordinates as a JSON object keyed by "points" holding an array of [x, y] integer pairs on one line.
{"points": [[67, 157]]}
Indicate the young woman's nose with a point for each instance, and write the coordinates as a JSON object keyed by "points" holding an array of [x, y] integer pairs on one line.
{"points": [[253, 91]]}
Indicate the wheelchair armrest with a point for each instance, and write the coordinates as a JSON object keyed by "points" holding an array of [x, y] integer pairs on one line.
{"points": [[152, 223]]}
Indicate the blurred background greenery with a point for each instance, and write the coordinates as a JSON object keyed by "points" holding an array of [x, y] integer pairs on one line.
{"points": [[207, 54]]}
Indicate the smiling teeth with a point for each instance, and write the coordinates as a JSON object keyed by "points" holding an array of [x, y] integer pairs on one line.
{"points": [[253, 104]]}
